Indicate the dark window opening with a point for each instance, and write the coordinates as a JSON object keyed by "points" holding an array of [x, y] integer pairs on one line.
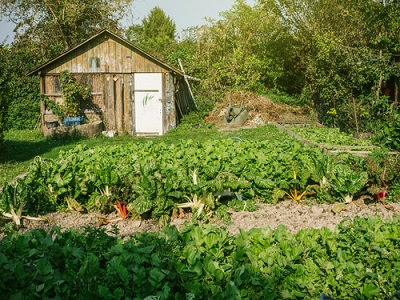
{"points": [[94, 64], [57, 85]]}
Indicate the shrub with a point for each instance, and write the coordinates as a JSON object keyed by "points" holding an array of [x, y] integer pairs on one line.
{"points": [[390, 136]]}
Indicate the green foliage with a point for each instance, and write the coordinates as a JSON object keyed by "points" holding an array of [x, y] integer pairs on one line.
{"points": [[357, 261], [3, 96], [53, 27], [19, 105], [153, 179], [391, 132], [230, 50], [329, 137], [73, 94], [3, 111], [347, 182], [343, 51], [19, 93], [157, 24], [383, 168], [283, 98], [156, 34], [2, 121]]}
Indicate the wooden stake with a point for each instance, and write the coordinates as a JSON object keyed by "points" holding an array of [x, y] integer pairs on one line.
{"points": [[355, 117]]}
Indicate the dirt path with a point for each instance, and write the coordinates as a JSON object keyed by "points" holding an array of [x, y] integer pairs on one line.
{"points": [[295, 216]]}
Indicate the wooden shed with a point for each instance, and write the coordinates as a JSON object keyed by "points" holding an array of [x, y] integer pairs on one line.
{"points": [[132, 91]]}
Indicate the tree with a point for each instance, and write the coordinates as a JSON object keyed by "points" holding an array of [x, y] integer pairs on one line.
{"points": [[243, 50], [343, 49], [158, 25], [3, 93], [45, 29], [156, 33], [58, 24], [21, 92]]}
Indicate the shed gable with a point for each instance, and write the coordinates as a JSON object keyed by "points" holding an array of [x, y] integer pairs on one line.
{"points": [[104, 54]]}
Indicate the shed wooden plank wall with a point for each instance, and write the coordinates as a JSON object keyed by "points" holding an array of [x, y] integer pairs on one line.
{"points": [[107, 65], [104, 56]]}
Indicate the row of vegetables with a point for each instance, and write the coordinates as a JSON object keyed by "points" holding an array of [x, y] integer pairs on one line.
{"points": [[157, 179], [360, 260], [330, 136]]}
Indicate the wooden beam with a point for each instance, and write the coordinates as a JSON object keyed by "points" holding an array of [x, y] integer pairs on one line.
{"points": [[187, 82]]}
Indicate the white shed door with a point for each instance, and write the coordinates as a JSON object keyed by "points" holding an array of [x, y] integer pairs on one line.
{"points": [[148, 103]]}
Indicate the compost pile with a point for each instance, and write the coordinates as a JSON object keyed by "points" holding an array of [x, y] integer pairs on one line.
{"points": [[261, 110]]}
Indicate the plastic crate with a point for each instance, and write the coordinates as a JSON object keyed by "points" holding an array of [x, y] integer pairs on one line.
{"points": [[73, 121]]}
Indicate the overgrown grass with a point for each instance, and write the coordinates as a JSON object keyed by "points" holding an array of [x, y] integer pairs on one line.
{"points": [[283, 98]]}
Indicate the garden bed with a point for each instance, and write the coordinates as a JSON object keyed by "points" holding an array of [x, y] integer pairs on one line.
{"points": [[231, 240], [330, 140]]}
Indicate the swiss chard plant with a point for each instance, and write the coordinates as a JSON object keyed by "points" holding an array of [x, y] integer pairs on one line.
{"points": [[383, 170], [13, 200], [153, 178], [347, 183]]}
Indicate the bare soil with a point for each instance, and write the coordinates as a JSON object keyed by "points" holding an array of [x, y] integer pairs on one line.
{"points": [[294, 215]]}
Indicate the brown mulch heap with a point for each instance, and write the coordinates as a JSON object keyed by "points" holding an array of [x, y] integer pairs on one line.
{"points": [[261, 110]]}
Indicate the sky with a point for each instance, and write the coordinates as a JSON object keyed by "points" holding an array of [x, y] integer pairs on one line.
{"points": [[185, 13]]}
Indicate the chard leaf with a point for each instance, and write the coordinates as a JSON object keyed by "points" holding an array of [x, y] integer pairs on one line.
{"points": [[369, 290], [141, 205], [157, 275]]}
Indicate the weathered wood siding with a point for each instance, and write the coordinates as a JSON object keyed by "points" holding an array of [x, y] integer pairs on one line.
{"points": [[105, 54], [113, 99], [169, 111], [107, 64]]}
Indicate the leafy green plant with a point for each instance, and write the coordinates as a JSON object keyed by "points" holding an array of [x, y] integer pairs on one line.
{"points": [[13, 199], [294, 192], [73, 94], [356, 261], [383, 170], [347, 182], [391, 132], [195, 203], [104, 180], [329, 137]]}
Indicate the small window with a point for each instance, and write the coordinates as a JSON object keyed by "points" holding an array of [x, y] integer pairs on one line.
{"points": [[57, 85], [94, 64]]}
